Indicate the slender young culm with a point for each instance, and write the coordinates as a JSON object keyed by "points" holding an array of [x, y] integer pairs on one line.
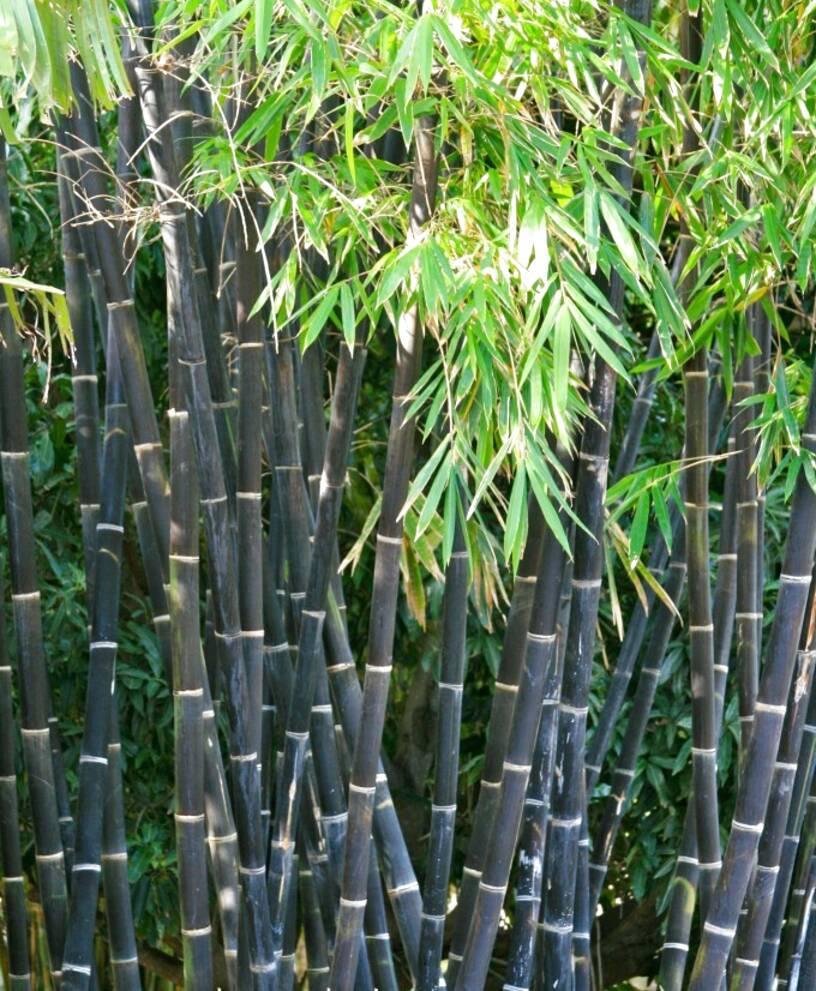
{"points": [[11, 861], [399, 457], [35, 693], [719, 928], [93, 762], [443, 808], [188, 704]]}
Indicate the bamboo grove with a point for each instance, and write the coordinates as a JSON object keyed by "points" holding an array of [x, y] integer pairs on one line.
{"points": [[458, 352]]}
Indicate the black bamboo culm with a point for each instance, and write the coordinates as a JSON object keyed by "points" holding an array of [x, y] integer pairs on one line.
{"points": [[790, 846], [83, 377], [749, 613], [116, 885], [188, 704], [305, 585], [124, 959], [683, 887], [654, 657], [505, 690], [701, 626], [14, 902], [87, 169], [531, 844], [310, 653], [753, 921], [807, 971], [93, 761], [220, 824], [568, 793], [540, 680], [399, 458], [248, 501], [118, 908], [792, 982], [637, 626], [35, 692], [752, 797], [566, 812], [185, 330], [807, 846], [443, 807]]}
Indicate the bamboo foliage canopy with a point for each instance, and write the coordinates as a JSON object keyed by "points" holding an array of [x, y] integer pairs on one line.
{"points": [[407, 426]]}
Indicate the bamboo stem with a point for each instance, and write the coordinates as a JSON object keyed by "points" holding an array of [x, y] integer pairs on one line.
{"points": [[399, 457], [35, 692]]}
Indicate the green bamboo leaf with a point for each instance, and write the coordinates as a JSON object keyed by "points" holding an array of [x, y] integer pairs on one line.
{"points": [[348, 316], [434, 494], [620, 234], [348, 137], [661, 511], [637, 534], [561, 355], [454, 48], [424, 475], [263, 27], [421, 62], [631, 58], [548, 511], [320, 316], [353, 557], [396, 274], [515, 528], [449, 521], [755, 41], [226, 20], [592, 226]]}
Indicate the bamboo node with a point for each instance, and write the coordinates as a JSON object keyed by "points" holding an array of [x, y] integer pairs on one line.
{"points": [[520, 768], [573, 710], [76, 968], [719, 930], [252, 871], [753, 964], [586, 583], [93, 759], [502, 686], [774, 710], [119, 304], [192, 933], [565, 823], [494, 889], [89, 868], [747, 827], [361, 789], [676, 946], [113, 527]]}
